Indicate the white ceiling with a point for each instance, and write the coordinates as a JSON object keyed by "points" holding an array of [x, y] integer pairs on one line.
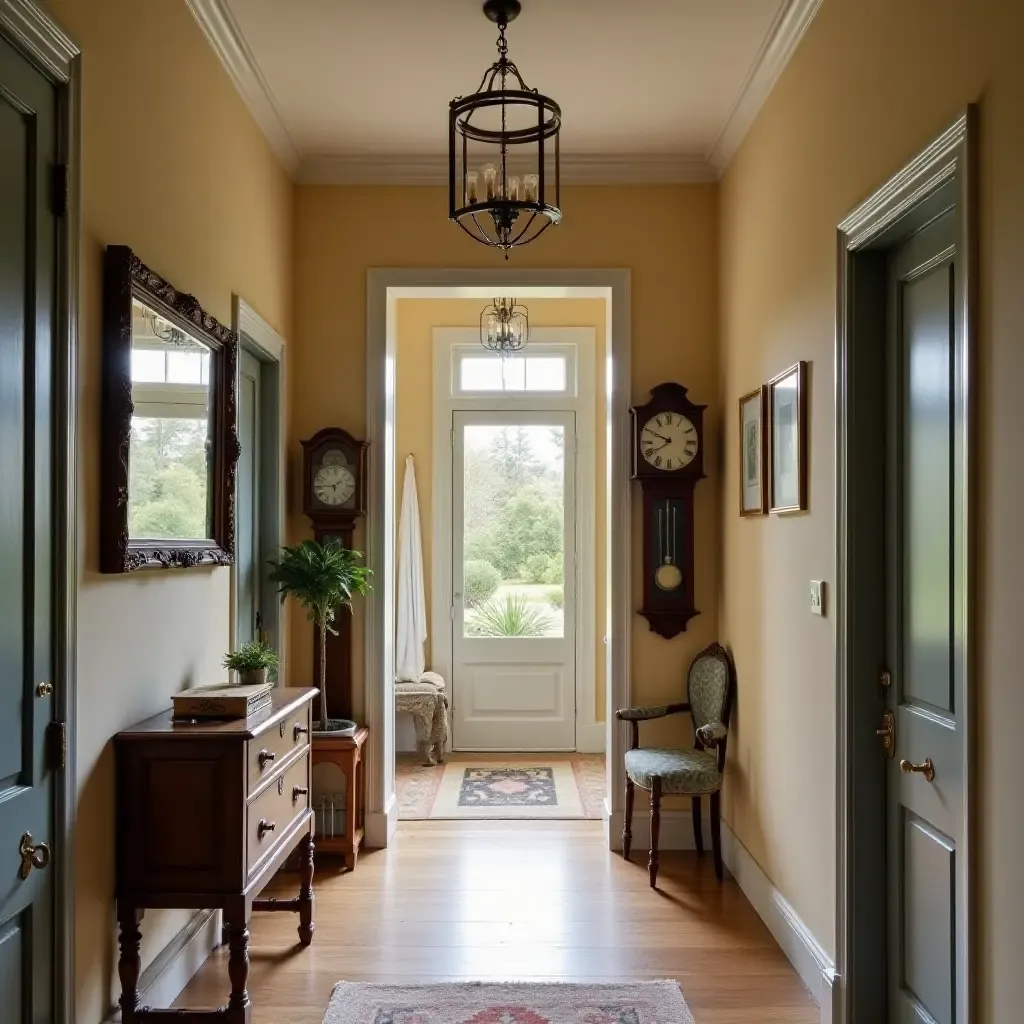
{"points": [[649, 89]]}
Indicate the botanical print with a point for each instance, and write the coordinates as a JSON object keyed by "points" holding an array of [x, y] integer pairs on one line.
{"points": [[751, 448], [751, 461]]}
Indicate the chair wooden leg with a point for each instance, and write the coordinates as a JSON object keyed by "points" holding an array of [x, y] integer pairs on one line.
{"points": [[698, 833], [627, 820], [716, 832], [652, 864]]}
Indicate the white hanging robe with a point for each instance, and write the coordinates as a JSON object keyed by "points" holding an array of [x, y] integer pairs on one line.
{"points": [[411, 613]]}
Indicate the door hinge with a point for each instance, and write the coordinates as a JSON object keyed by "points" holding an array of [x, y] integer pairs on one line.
{"points": [[57, 746], [59, 189], [887, 734]]}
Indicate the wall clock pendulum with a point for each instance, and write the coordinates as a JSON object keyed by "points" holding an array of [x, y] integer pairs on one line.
{"points": [[668, 461], [334, 498]]}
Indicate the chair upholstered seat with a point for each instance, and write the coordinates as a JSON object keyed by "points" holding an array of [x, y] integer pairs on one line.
{"points": [[689, 772]]}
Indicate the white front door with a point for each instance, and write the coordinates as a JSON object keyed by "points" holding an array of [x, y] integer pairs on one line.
{"points": [[513, 580]]}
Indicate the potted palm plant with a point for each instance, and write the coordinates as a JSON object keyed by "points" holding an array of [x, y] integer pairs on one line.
{"points": [[322, 577]]}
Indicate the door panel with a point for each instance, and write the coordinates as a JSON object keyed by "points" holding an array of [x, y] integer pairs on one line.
{"points": [[925, 817], [27, 313], [247, 541], [514, 556]]}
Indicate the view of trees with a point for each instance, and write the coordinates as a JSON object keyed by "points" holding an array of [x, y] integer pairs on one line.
{"points": [[168, 478], [514, 515]]}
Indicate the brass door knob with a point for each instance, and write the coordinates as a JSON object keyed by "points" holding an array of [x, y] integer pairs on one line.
{"points": [[33, 855], [266, 756], [925, 768]]}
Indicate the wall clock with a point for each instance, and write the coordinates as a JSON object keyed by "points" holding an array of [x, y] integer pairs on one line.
{"points": [[668, 461], [334, 498]]}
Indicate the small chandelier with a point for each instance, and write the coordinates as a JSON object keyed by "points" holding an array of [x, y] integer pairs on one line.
{"points": [[504, 326], [503, 152]]}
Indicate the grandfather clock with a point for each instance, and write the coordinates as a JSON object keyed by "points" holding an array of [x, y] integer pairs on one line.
{"points": [[334, 497], [668, 462]]}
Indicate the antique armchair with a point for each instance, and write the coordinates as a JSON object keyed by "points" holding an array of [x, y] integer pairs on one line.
{"points": [[694, 773]]}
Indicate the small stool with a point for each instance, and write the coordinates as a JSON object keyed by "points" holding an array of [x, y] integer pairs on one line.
{"points": [[347, 753]]}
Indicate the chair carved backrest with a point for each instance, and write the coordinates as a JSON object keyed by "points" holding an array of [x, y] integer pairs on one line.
{"points": [[709, 686]]}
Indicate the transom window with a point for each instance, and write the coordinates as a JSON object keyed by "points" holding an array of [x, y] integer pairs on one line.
{"points": [[539, 370]]}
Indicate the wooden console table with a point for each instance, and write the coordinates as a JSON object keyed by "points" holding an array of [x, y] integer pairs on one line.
{"points": [[347, 753], [207, 812]]}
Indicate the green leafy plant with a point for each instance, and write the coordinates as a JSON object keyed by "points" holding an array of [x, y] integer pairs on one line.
{"points": [[509, 615], [556, 598], [479, 582], [252, 657], [536, 568], [322, 577]]}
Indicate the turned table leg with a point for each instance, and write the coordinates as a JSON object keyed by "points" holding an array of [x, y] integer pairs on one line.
{"points": [[306, 926], [238, 970], [129, 965]]}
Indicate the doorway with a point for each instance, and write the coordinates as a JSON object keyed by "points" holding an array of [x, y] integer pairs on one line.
{"points": [[39, 89], [905, 369]]}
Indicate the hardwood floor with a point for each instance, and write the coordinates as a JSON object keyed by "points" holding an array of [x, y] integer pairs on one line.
{"points": [[515, 900]]}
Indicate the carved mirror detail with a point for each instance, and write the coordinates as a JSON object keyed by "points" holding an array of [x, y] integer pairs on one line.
{"points": [[170, 442]]}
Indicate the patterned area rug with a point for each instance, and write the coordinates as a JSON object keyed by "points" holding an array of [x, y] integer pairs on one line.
{"points": [[502, 786], [647, 1002]]}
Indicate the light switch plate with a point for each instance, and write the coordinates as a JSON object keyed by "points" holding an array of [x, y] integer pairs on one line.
{"points": [[817, 597]]}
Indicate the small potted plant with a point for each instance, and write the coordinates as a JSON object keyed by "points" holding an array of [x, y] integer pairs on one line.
{"points": [[253, 661], [322, 577]]}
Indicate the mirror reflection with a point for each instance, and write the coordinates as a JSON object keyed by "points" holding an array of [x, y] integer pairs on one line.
{"points": [[170, 456]]}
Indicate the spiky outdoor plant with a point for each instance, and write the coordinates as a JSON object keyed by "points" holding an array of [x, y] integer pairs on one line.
{"points": [[322, 577], [509, 615]]}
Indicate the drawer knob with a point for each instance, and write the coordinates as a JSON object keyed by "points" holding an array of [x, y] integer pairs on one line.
{"points": [[300, 730], [298, 791], [266, 756], [264, 827]]}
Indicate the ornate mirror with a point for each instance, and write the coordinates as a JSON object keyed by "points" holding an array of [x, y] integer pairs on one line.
{"points": [[169, 437]]}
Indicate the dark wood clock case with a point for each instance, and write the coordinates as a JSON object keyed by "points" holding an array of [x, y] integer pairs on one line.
{"points": [[340, 523], [668, 514]]}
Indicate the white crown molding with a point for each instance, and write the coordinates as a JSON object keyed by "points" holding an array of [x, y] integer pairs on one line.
{"points": [[222, 31], [433, 170], [788, 28]]}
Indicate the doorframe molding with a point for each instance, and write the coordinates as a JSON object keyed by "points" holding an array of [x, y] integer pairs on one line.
{"points": [[949, 159], [583, 404], [32, 30], [384, 286], [256, 336]]}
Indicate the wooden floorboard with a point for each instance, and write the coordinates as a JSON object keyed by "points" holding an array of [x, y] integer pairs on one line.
{"points": [[516, 900]]}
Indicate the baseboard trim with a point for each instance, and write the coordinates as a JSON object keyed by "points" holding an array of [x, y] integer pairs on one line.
{"points": [[804, 952], [172, 968], [381, 825], [591, 737]]}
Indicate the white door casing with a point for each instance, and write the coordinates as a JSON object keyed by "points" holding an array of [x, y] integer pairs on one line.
{"points": [[512, 692], [578, 344]]}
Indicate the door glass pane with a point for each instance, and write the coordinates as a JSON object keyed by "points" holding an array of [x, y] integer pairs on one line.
{"points": [[545, 373], [513, 373], [513, 530]]}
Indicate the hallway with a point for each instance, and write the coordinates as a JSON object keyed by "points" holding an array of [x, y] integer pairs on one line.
{"points": [[525, 901]]}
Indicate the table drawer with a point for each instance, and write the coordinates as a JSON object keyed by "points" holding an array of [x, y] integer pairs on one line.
{"points": [[272, 812], [270, 748]]}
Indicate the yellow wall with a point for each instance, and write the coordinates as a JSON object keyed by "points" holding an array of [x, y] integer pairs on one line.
{"points": [[172, 165], [666, 235], [872, 82], [414, 424]]}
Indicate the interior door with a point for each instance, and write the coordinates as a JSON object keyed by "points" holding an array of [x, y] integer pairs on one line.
{"points": [[513, 576], [28, 133], [925, 557], [248, 571]]}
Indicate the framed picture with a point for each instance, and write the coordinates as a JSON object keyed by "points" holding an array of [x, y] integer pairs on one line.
{"points": [[753, 453], [787, 419]]}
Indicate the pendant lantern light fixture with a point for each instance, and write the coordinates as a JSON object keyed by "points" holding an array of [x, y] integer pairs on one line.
{"points": [[503, 152], [504, 326]]}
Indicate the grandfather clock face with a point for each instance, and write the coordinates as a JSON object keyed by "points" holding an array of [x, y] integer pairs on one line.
{"points": [[334, 480], [334, 477]]}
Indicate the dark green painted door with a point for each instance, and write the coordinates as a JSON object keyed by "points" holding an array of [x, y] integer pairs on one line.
{"points": [[925, 559], [28, 127], [248, 558]]}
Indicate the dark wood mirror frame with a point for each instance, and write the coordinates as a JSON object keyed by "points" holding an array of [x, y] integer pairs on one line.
{"points": [[125, 277]]}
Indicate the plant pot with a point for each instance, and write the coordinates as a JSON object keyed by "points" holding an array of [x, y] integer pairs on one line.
{"points": [[336, 727], [253, 677]]}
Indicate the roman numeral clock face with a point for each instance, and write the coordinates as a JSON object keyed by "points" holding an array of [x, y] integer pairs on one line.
{"points": [[668, 441]]}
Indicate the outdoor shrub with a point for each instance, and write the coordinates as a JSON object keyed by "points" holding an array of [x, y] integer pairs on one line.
{"points": [[480, 581], [536, 569], [554, 571], [556, 598]]}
